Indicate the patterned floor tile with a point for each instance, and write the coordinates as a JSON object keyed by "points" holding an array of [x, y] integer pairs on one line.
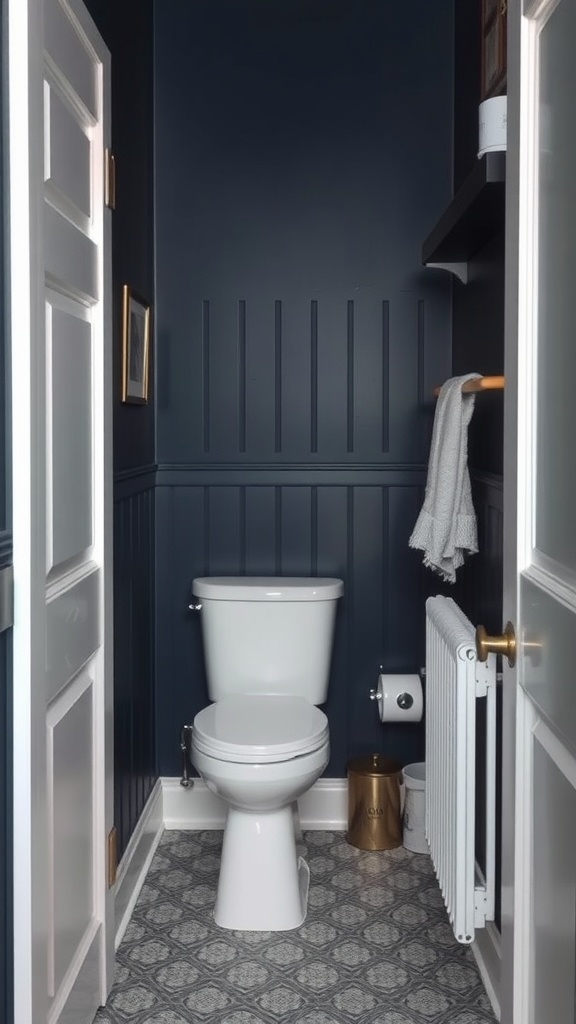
{"points": [[376, 947]]}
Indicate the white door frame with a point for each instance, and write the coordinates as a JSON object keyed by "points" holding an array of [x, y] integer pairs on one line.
{"points": [[25, 36], [516, 824]]}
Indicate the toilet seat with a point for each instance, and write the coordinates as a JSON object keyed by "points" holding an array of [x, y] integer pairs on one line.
{"points": [[259, 729]]}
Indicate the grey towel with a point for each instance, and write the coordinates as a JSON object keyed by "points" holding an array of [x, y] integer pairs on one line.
{"points": [[446, 527]]}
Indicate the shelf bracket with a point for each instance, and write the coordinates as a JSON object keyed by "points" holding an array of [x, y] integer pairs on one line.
{"points": [[460, 270]]}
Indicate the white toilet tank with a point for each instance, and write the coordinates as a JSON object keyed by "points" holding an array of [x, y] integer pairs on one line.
{"points": [[267, 635]]}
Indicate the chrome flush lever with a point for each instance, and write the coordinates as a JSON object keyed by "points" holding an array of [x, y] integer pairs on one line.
{"points": [[195, 607]]}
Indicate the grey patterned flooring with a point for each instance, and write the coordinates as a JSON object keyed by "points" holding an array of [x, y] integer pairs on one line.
{"points": [[376, 947]]}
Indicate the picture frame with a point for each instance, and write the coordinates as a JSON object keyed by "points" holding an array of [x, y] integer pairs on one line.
{"points": [[136, 316], [494, 41]]}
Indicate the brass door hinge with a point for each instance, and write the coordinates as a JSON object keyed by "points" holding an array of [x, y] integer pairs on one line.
{"points": [[112, 856], [110, 179]]}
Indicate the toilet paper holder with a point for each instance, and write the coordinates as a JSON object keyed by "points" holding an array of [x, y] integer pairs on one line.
{"points": [[397, 702], [403, 700]]}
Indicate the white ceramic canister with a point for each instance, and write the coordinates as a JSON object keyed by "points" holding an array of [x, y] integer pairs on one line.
{"points": [[492, 125]]}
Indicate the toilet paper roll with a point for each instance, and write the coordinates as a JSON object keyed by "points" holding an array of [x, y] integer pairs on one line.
{"points": [[401, 698]]}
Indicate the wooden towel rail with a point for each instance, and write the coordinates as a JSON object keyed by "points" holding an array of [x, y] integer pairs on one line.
{"points": [[477, 384]]}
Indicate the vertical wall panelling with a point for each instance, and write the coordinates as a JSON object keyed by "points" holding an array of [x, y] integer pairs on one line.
{"points": [[241, 376], [135, 703], [277, 376], [313, 376], [350, 376], [385, 376], [261, 521], [206, 376], [333, 518], [299, 338]]}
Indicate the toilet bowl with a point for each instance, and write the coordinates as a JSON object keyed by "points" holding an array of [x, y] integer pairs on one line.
{"points": [[263, 742], [259, 754]]}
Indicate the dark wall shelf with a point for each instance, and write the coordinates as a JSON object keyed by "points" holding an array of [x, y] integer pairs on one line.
{"points": [[475, 215]]}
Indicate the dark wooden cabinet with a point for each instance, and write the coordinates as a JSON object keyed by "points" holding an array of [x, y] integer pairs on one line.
{"points": [[493, 46]]}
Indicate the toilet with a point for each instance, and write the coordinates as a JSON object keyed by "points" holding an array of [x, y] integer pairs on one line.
{"points": [[263, 742]]}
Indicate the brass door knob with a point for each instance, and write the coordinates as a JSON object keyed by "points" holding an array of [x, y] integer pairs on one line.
{"points": [[504, 645]]}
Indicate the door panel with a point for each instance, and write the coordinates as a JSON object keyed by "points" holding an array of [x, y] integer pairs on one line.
{"points": [[67, 51], [556, 251], [70, 418], [71, 258], [553, 969], [75, 537], [548, 409], [67, 161], [548, 672], [72, 633], [62, 354], [70, 723], [539, 766]]}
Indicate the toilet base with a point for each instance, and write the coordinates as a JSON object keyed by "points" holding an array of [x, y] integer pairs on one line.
{"points": [[263, 884]]}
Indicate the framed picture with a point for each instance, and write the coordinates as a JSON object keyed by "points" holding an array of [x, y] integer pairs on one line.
{"points": [[135, 347], [493, 34]]}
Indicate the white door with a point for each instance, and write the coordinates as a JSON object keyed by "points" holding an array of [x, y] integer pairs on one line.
{"points": [[62, 457], [539, 812]]}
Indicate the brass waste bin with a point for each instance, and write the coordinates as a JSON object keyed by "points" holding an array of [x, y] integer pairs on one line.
{"points": [[374, 808]]}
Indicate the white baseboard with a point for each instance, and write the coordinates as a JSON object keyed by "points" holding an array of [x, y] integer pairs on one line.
{"points": [[488, 956], [325, 806], [136, 860]]}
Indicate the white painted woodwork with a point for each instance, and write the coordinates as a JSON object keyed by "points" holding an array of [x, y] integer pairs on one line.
{"points": [[68, 153], [65, 50], [538, 975], [554, 907], [70, 723], [72, 633], [136, 860], [71, 259], [70, 416], [59, 81], [323, 807], [74, 1006]]}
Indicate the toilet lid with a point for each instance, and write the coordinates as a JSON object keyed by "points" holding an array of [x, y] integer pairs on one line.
{"points": [[256, 728]]}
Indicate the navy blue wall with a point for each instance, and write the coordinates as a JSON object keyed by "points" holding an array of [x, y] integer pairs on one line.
{"points": [[127, 28], [302, 152]]}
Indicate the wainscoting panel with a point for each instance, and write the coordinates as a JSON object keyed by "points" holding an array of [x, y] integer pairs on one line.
{"points": [[134, 698], [357, 531], [304, 380]]}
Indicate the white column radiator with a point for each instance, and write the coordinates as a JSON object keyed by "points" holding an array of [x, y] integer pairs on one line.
{"points": [[455, 681]]}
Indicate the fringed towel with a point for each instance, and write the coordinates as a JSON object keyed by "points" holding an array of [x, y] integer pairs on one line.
{"points": [[446, 527]]}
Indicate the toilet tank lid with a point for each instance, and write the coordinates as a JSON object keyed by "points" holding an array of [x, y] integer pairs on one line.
{"points": [[267, 588]]}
